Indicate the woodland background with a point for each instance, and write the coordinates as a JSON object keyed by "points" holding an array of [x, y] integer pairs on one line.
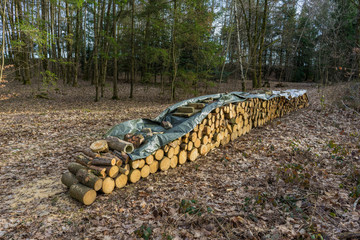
{"points": [[183, 46], [297, 177]]}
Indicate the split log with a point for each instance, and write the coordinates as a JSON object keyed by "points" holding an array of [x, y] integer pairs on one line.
{"points": [[154, 166], [119, 145], [89, 179], [82, 193], [134, 164], [134, 175], [68, 179], [159, 154], [121, 180], [141, 163], [173, 162], [145, 171], [99, 146], [171, 152], [203, 149], [149, 159], [164, 164], [177, 150], [182, 157], [197, 143], [108, 185], [192, 156], [127, 169]]}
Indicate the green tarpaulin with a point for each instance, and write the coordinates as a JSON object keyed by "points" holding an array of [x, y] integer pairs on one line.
{"points": [[183, 125]]}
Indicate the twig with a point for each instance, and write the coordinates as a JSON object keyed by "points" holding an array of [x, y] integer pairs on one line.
{"points": [[347, 235], [225, 232], [350, 108], [355, 203]]}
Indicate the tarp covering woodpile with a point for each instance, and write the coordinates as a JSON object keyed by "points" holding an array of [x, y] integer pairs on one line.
{"points": [[184, 131], [183, 125]]}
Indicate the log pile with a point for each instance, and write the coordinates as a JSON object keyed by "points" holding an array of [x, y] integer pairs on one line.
{"points": [[106, 164]]}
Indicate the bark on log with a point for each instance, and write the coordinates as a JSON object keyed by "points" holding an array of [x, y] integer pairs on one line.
{"points": [[88, 152], [74, 167], [119, 145], [89, 179], [68, 179], [82, 193], [112, 171], [123, 156], [102, 161]]}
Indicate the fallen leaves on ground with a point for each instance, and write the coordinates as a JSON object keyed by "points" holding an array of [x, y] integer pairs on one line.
{"points": [[296, 177]]}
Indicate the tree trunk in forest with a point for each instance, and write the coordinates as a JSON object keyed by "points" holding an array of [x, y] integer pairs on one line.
{"points": [[95, 53], [115, 70], [44, 12], [3, 42], [104, 25], [77, 45], [173, 52], [24, 65], [69, 74], [132, 80], [243, 87], [52, 39]]}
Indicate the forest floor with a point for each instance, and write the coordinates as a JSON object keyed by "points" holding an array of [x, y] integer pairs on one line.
{"points": [[295, 177]]}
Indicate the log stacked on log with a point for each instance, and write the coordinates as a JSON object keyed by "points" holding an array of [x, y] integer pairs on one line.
{"points": [[106, 164]]}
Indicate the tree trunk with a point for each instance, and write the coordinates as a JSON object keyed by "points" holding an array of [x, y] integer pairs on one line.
{"points": [[3, 42], [95, 53], [77, 45], [115, 70], [69, 74], [173, 52], [132, 80]]}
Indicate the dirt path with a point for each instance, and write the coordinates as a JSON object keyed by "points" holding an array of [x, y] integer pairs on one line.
{"points": [[292, 177]]}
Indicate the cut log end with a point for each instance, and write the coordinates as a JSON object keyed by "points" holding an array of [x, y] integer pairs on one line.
{"points": [[164, 164], [145, 171], [99, 146], [134, 175], [108, 185], [159, 154], [182, 157], [121, 181], [154, 166], [82, 193]]}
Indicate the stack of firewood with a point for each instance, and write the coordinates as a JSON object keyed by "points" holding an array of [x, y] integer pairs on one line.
{"points": [[106, 164]]}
